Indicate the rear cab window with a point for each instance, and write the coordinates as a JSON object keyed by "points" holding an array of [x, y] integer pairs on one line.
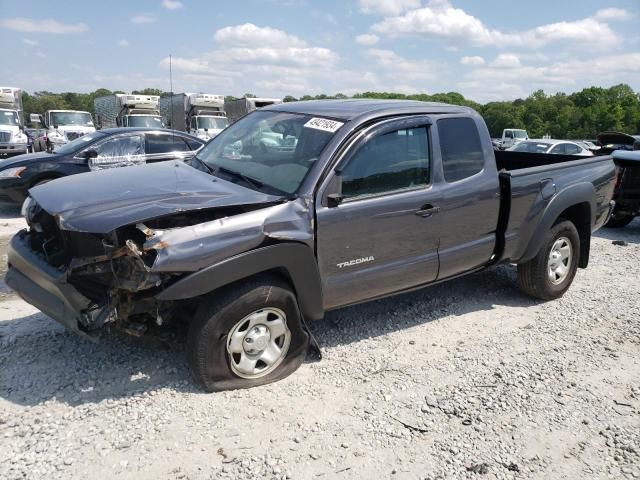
{"points": [[461, 149]]}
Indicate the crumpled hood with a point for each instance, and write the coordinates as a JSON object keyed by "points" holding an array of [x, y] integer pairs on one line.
{"points": [[615, 138], [101, 201]]}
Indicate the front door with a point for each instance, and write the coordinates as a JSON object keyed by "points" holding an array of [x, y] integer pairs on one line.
{"points": [[377, 215]]}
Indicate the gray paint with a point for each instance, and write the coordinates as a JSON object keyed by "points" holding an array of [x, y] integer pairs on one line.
{"points": [[401, 250]]}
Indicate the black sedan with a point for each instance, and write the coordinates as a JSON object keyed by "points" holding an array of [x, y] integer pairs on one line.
{"points": [[107, 148]]}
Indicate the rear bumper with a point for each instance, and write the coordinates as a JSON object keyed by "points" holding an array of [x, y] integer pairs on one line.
{"points": [[44, 286]]}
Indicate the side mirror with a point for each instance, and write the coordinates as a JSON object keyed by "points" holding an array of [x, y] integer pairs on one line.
{"points": [[55, 126], [91, 153], [206, 130]]}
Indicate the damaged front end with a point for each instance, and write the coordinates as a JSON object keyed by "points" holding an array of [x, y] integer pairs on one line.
{"points": [[86, 280]]}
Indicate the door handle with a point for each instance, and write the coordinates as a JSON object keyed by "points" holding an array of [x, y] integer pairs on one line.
{"points": [[427, 210]]}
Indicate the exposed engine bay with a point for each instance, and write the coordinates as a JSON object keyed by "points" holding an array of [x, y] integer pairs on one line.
{"points": [[119, 272]]}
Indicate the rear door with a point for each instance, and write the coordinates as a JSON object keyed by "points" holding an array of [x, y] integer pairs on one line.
{"points": [[470, 195], [377, 215]]}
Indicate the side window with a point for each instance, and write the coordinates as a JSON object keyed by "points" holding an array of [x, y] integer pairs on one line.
{"points": [[559, 149], [121, 147], [119, 151], [462, 154], [163, 143], [193, 144], [194, 124], [393, 161], [508, 134], [571, 149]]}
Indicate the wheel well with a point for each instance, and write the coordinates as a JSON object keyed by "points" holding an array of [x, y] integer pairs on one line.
{"points": [[580, 216]]}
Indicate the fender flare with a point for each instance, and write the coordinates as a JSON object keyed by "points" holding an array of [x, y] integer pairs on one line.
{"points": [[567, 198], [296, 260]]}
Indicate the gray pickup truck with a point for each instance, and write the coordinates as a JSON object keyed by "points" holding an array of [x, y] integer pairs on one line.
{"points": [[295, 210]]}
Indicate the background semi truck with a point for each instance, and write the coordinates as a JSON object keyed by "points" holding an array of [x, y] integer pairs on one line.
{"points": [[239, 107], [61, 127], [200, 114], [127, 110], [13, 140]]}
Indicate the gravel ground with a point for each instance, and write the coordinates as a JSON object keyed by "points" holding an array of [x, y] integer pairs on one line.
{"points": [[469, 379]]}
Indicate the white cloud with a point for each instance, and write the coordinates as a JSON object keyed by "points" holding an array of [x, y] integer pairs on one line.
{"points": [[28, 41], [143, 18], [41, 55], [395, 65], [506, 60], [250, 35], [498, 83], [172, 4], [258, 57], [387, 7], [612, 14], [475, 60], [42, 26], [367, 39], [122, 43], [440, 19]]}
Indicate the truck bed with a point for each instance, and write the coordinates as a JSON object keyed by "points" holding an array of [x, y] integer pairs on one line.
{"points": [[529, 184]]}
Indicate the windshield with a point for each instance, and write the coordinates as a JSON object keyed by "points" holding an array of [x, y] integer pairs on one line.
{"points": [[212, 123], [8, 118], [78, 143], [520, 134], [82, 119], [531, 147], [145, 121], [270, 149]]}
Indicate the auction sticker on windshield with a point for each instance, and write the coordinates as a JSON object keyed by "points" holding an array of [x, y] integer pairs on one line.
{"points": [[323, 124]]}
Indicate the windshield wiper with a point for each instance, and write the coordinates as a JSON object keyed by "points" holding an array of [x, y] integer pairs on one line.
{"points": [[257, 184]]}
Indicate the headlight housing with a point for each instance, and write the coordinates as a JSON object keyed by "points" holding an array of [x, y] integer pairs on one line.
{"points": [[12, 172]]}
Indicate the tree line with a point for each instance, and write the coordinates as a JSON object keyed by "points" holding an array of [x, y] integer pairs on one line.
{"points": [[580, 115]]}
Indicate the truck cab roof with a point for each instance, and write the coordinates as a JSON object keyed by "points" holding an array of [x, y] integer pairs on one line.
{"points": [[350, 109]]}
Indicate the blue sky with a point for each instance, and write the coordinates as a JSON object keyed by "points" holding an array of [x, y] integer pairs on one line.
{"points": [[489, 50]]}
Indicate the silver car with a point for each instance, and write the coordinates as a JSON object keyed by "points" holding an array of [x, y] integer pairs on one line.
{"points": [[563, 147]]}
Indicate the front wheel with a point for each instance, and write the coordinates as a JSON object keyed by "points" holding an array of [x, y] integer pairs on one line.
{"points": [[550, 273], [246, 335]]}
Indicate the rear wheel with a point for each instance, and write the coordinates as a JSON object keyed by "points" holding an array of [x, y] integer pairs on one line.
{"points": [[246, 335], [619, 220], [550, 273]]}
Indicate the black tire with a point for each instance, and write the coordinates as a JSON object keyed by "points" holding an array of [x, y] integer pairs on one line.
{"points": [[40, 145], [533, 276], [619, 220], [209, 361]]}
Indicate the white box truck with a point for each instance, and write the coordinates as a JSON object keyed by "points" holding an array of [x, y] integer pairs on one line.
{"points": [[200, 114], [61, 127], [13, 140], [128, 110], [239, 107]]}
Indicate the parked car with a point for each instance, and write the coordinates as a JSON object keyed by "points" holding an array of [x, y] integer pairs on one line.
{"points": [[626, 154], [554, 147], [612, 141], [93, 151], [377, 197]]}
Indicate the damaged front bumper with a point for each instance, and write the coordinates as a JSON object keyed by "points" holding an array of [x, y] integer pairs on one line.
{"points": [[46, 287]]}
